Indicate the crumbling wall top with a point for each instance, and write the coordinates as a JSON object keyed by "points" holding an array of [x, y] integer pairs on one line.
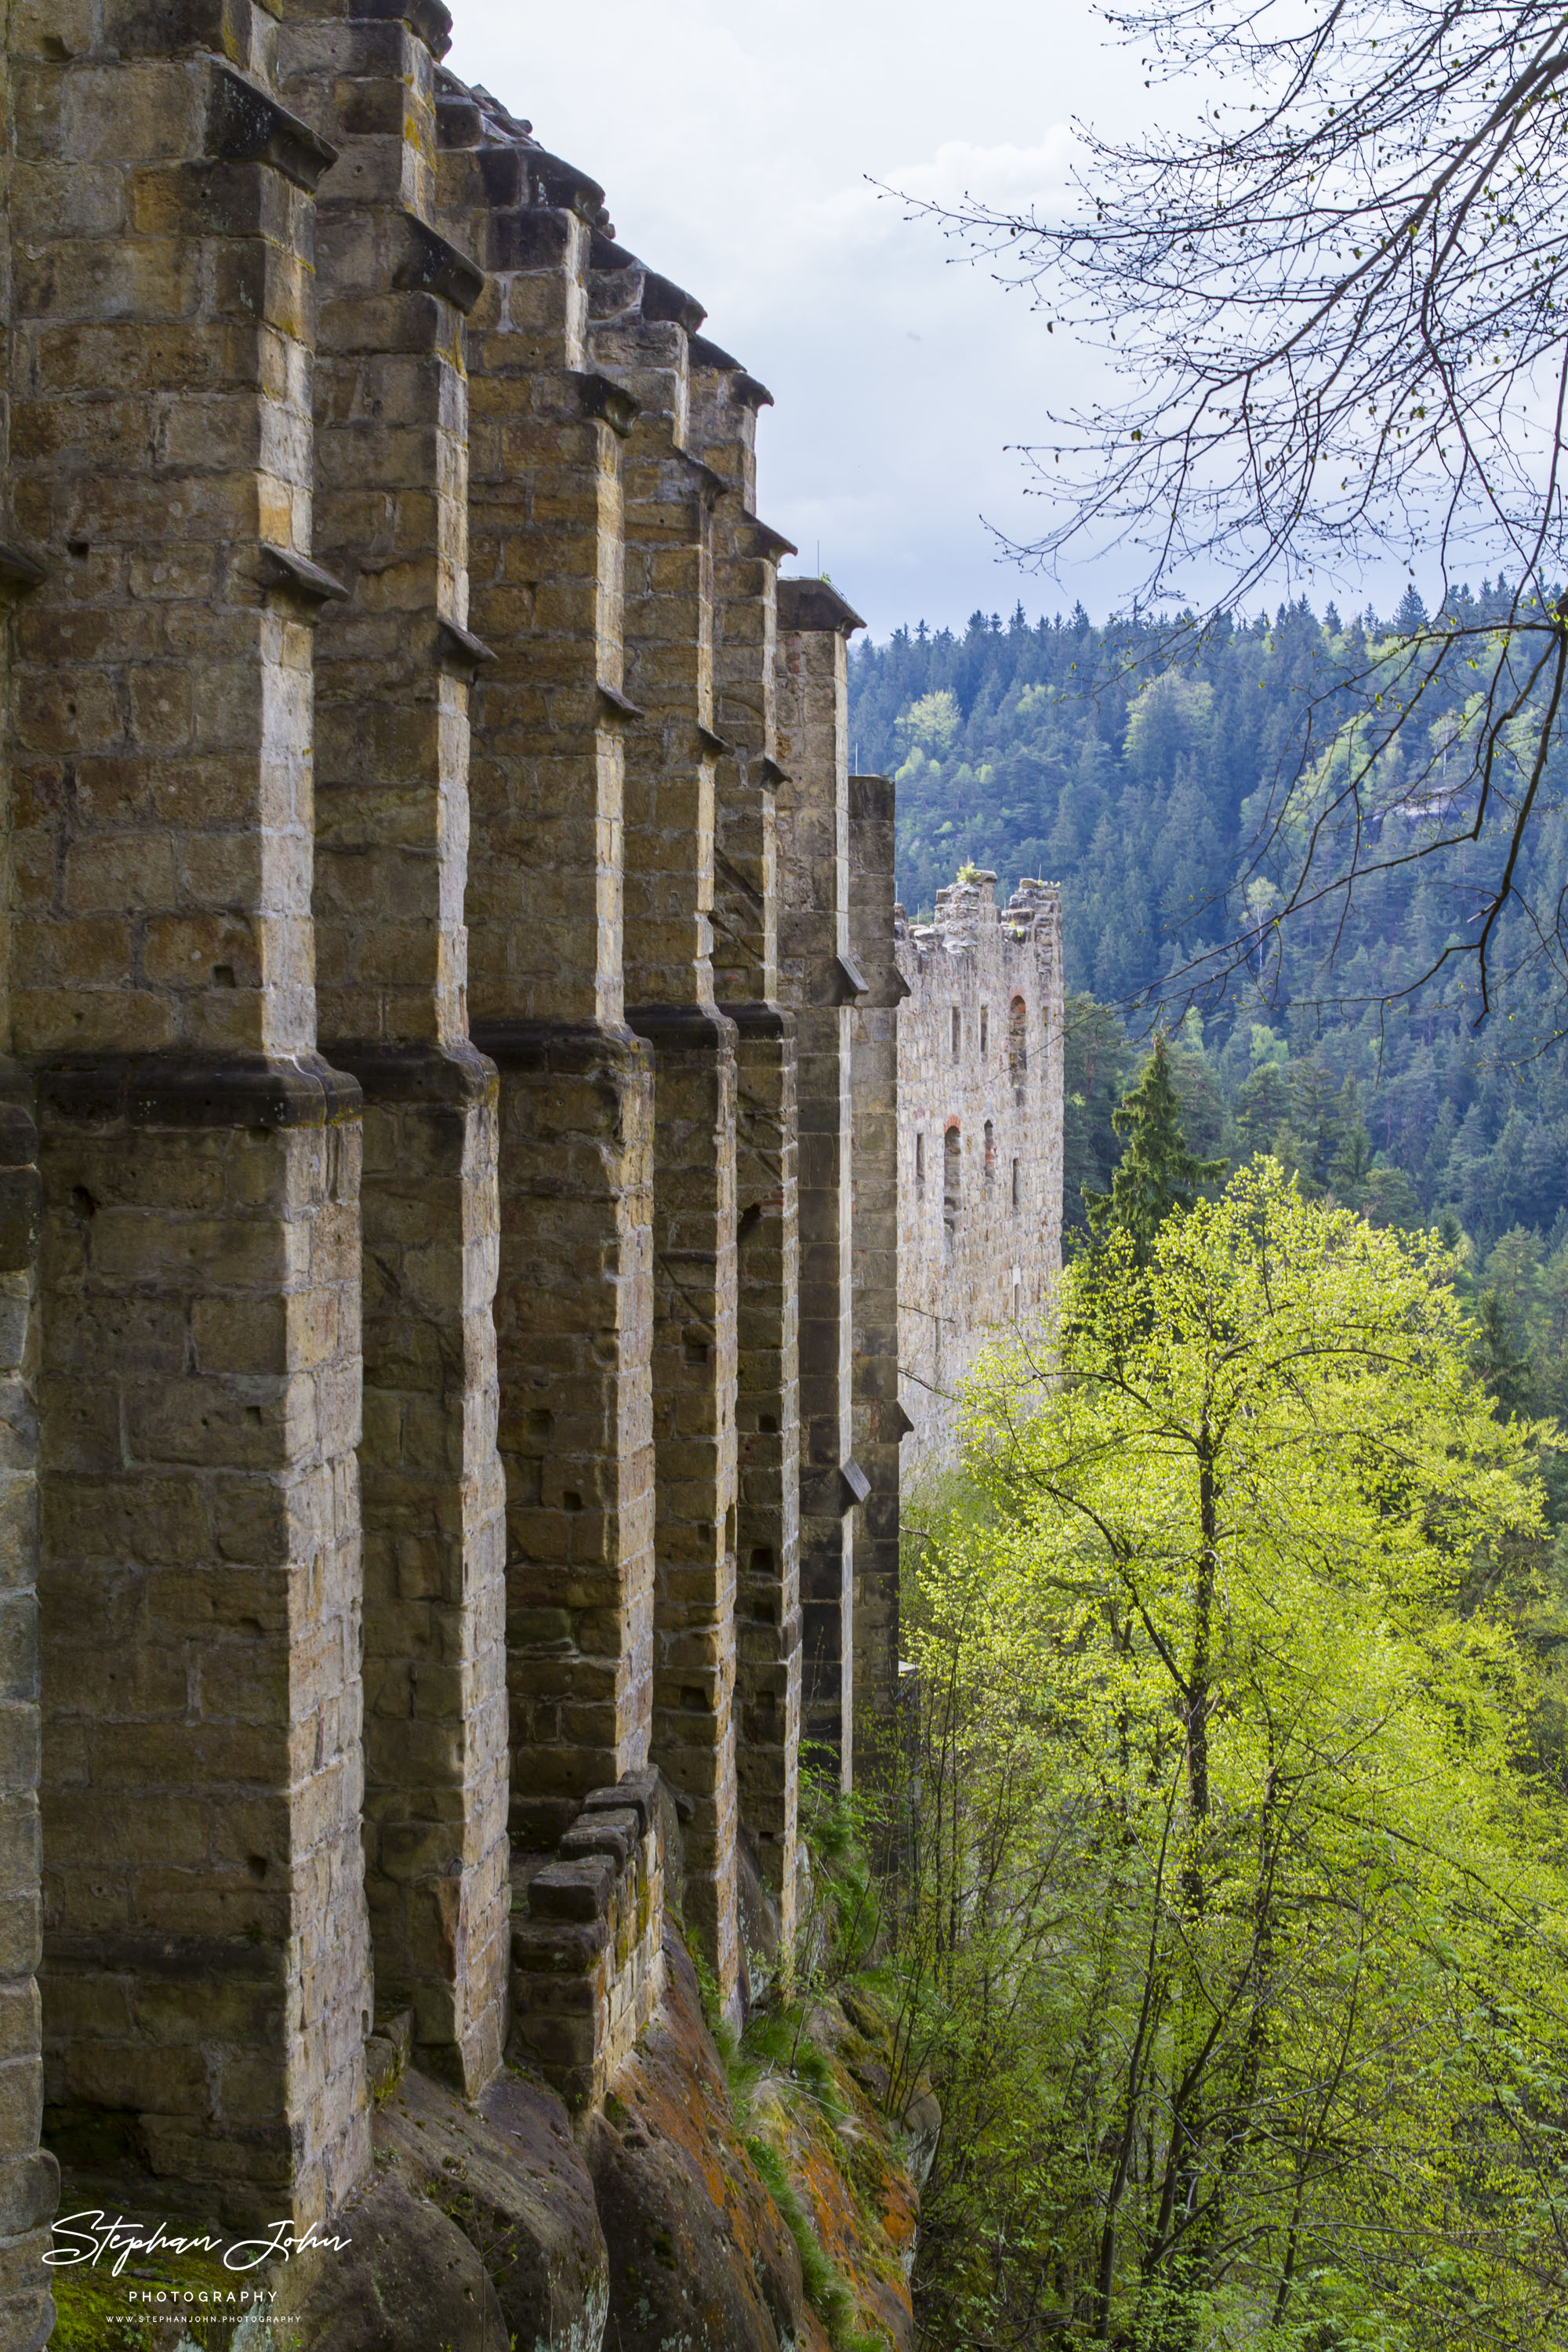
{"points": [[967, 908]]}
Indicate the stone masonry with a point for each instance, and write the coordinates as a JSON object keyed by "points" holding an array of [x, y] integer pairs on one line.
{"points": [[473, 1125], [979, 1138]]}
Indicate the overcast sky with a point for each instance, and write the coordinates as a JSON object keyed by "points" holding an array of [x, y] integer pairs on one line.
{"points": [[736, 143]]}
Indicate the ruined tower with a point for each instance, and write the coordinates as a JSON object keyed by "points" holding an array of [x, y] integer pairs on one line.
{"points": [[979, 1183]]}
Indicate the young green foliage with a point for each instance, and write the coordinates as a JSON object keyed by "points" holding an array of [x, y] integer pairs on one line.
{"points": [[1238, 1864]]}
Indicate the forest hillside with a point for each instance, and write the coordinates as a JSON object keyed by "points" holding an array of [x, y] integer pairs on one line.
{"points": [[1069, 751]]}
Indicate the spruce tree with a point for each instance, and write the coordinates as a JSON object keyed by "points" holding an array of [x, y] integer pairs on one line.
{"points": [[1157, 1174]]}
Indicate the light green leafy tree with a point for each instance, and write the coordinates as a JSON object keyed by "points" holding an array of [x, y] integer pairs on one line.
{"points": [[928, 729], [1238, 1929]]}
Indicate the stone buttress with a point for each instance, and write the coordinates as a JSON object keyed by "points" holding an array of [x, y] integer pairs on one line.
{"points": [[207, 1963], [820, 982], [641, 333], [28, 2177], [573, 1310], [879, 1421], [574, 1304], [394, 662], [724, 402]]}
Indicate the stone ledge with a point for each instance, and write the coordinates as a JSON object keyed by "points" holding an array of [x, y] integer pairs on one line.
{"points": [[246, 124], [761, 1020], [441, 1078], [814, 604], [682, 1028], [194, 1090], [564, 1048]]}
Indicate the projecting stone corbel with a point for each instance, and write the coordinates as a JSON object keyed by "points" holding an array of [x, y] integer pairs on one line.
{"points": [[772, 775], [743, 386], [247, 125], [281, 568], [603, 253], [829, 1494], [815, 604], [431, 19], [665, 302], [566, 189], [709, 485], [17, 569], [715, 744], [850, 982], [892, 1420], [616, 705], [434, 265], [601, 397], [457, 648], [771, 543]]}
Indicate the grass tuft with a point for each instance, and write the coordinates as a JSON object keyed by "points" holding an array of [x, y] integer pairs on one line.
{"points": [[825, 2291]]}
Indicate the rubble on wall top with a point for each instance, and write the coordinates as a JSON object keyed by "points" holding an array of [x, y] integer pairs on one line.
{"points": [[964, 906]]}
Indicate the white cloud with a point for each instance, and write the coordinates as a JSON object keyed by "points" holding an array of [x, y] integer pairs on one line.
{"points": [[740, 147], [1003, 179]]}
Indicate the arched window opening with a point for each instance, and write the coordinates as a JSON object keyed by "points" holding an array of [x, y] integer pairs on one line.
{"points": [[952, 1148], [1019, 1042]]}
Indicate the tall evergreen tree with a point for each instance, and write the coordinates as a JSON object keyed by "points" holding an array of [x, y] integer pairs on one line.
{"points": [[1157, 1173]]}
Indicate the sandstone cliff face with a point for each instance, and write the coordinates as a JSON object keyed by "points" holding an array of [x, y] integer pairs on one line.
{"points": [[699, 2256], [658, 2233], [489, 2226]]}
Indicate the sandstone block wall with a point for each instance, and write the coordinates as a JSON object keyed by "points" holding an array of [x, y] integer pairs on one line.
{"points": [[452, 1044], [979, 1141], [821, 984], [588, 1955], [879, 1422]]}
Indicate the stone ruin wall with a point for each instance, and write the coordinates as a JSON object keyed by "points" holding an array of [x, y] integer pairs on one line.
{"points": [[979, 1139], [450, 1184]]}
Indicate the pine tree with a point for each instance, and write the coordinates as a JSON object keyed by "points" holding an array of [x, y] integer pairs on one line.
{"points": [[1157, 1174]]}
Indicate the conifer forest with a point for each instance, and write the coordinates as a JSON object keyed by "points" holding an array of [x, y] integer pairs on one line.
{"points": [[1068, 749]]}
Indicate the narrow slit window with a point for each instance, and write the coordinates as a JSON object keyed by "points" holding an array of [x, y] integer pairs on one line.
{"points": [[1018, 1041], [952, 1149], [984, 1029], [920, 1160], [957, 1031], [1018, 1184], [990, 1153]]}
